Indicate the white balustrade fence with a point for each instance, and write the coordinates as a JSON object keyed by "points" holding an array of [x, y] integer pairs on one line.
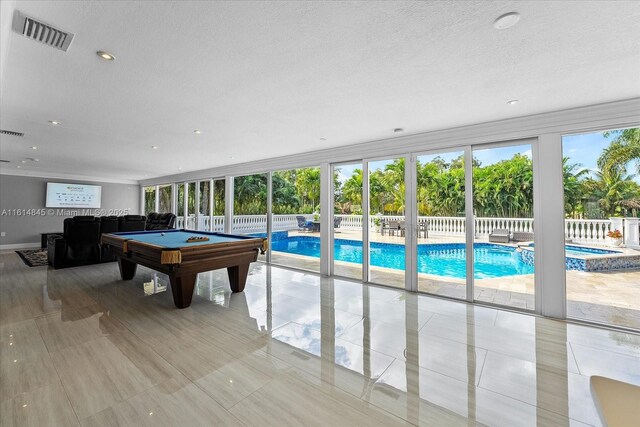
{"points": [[243, 223], [589, 231]]}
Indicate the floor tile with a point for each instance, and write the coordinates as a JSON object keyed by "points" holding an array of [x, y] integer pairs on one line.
{"points": [[555, 390], [75, 326], [44, 406], [97, 374], [240, 377], [608, 364], [176, 402], [289, 401]]}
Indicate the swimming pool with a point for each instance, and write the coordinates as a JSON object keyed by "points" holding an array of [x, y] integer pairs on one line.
{"points": [[584, 251], [439, 259]]}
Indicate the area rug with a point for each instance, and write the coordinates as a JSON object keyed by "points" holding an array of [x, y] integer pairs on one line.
{"points": [[33, 257]]}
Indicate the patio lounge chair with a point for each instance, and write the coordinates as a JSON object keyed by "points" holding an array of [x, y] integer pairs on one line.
{"points": [[303, 224], [499, 235], [522, 236]]}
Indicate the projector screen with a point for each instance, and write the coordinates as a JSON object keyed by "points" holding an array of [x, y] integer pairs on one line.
{"points": [[73, 195]]}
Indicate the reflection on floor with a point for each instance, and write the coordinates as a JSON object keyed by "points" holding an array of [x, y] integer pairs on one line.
{"points": [[610, 297], [80, 346]]}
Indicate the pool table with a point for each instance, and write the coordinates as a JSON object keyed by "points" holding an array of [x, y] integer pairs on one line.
{"points": [[168, 251]]}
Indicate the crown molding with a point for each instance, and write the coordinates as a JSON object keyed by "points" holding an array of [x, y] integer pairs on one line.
{"points": [[618, 114], [57, 175]]}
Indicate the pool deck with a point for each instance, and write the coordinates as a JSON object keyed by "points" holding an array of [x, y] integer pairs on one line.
{"points": [[611, 297]]}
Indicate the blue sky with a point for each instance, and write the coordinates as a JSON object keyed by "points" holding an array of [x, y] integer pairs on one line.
{"points": [[583, 149]]}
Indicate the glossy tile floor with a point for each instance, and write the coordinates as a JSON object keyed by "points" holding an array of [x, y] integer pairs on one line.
{"points": [[81, 347]]}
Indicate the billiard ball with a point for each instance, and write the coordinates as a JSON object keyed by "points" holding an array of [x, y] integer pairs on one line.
{"points": [[162, 234]]}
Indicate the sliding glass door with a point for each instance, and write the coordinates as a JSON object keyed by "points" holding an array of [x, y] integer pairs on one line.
{"points": [[347, 220], [295, 218], [164, 198], [503, 247], [149, 200], [440, 225], [250, 206], [190, 212], [180, 190], [204, 205], [387, 222], [218, 205], [601, 173]]}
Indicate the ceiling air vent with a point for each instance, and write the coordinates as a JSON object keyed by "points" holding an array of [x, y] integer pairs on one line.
{"points": [[11, 132], [41, 32]]}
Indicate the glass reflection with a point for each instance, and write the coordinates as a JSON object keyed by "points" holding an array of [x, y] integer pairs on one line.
{"points": [[158, 283], [427, 360], [432, 360]]}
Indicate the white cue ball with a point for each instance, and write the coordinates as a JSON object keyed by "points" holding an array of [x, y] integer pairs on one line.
{"points": [[162, 234]]}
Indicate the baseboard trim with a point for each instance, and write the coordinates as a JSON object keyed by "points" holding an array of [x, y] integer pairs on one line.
{"points": [[13, 246]]}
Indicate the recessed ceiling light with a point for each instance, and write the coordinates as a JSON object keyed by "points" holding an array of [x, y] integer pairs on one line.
{"points": [[506, 21], [34, 148], [55, 123], [105, 55], [396, 130], [23, 161], [512, 102], [36, 160], [18, 166], [179, 169], [155, 147], [197, 131]]}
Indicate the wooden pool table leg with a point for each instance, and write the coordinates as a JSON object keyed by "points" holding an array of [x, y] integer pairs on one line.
{"points": [[238, 276], [127, 268], [182, 289]]}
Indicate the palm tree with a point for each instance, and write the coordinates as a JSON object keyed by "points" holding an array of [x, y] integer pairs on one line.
{"points": [[352, 188], [308, 185], [610, 188], [572, 185], [622, 150], [393, 180]]}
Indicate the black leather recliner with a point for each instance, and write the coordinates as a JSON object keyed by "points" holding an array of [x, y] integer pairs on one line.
{"points": [[79, 244], [108, 224], [160, 221], [131, 223]]}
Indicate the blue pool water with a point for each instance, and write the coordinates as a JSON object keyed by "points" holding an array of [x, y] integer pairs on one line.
{"points": [[439, 259], [584, 251]]}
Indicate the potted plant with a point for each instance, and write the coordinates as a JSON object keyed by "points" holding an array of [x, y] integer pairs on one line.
{"points": [[377, 222], [615, 238]]}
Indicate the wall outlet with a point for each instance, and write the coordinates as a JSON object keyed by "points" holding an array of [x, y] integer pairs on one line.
{"points": [[3, 234]]}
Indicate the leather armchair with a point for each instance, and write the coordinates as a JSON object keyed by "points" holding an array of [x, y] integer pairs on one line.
{"points": [[108, 224], [160, 221], [79, 244], [131, 223]]}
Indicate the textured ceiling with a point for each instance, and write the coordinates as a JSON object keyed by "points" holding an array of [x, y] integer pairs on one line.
{"points": [[265, 79]]}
